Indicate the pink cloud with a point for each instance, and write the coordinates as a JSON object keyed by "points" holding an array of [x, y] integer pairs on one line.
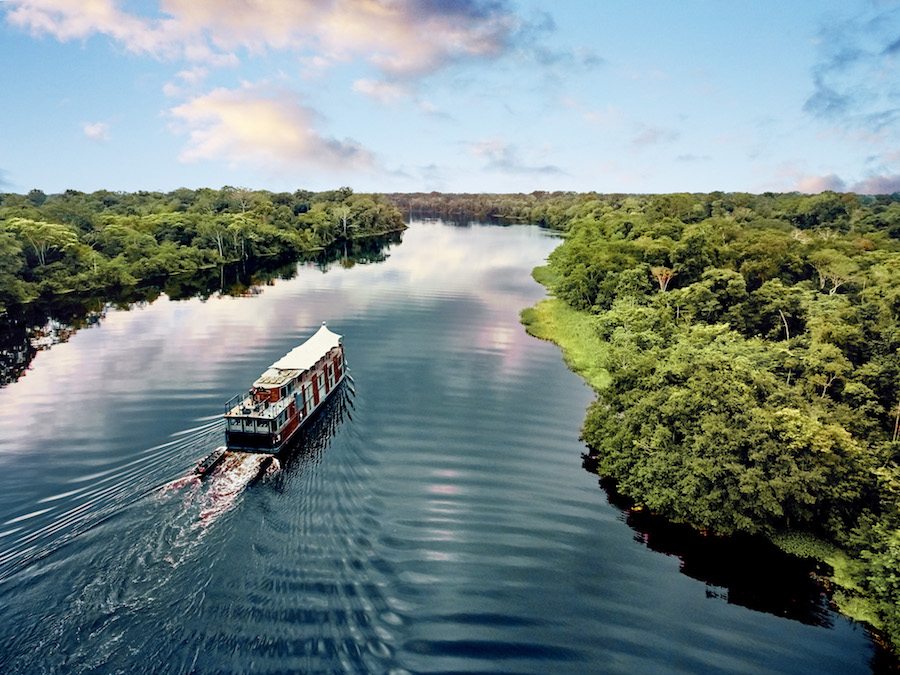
{"points": [[816, 184], [403, 38], [873, 185], [253, 125], [878, 185]]}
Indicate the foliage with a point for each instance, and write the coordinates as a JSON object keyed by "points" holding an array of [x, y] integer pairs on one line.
{"points": [[75, 241], [553, 320], [752, 345]]}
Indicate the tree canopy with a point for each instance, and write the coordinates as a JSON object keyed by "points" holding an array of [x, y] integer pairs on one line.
{"points": [[78, 241], [753, 349]]}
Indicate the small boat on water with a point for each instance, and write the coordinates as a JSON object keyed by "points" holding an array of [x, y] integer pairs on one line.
{"points": [[268, 416], [286, 395]]}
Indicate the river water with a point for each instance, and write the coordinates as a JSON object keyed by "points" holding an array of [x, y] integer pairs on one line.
{"points": [[437, 517]]}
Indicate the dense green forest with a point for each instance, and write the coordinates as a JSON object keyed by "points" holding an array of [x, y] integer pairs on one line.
{"points": [[75, 241], [750, 348], [745, 348]]}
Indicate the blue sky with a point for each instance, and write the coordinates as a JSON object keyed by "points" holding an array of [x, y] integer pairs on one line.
{"points": [[450, 95]]}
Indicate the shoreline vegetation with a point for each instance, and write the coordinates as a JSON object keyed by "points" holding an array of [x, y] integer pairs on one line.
{"points": [[745, 353], [746, 360], [744, 349], [573, 331], [77, 242]]}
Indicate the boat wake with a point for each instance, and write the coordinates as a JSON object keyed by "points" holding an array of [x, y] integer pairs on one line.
{"points": [[84, 501], [216, 491], [40, 530]]}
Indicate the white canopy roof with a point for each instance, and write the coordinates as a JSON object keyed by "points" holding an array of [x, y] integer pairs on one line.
{"points": [[306, 355]]}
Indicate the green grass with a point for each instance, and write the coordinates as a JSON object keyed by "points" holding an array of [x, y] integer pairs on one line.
{"points": [[573, 331]]}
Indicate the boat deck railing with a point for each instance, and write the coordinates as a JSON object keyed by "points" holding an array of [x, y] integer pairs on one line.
{"points": [[243, 405], [234, 400]]}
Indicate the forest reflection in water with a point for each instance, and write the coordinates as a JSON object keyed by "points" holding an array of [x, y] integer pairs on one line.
{"points": [[451, 526], [27, 330], [741, 570]]}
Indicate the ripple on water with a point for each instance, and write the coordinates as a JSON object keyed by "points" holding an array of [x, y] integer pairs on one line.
{"points": [[441, 522]]}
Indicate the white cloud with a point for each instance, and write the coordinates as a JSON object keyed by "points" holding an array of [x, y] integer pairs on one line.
{"points": [[193, 75], [647, 136], [189, 79], [253, 125], [505, 157], [314, 67], [96, 131], [402, 38], [383, 92], [76, 19], [428, 108]]}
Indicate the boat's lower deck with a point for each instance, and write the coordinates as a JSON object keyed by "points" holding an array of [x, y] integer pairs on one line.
{"points": [[274, 441]]}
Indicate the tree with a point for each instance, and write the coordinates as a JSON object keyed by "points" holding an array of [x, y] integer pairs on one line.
{"points": [[37, 197], [12, 261], [215, 229], [827, 208], [663, 276], [693, 253], [719, 296], [833, 268], [770, 306], [699, 427], [43, 237], [343, 214]]}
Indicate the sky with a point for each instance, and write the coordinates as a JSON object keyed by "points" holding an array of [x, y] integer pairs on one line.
{"points": [[450, 95]]}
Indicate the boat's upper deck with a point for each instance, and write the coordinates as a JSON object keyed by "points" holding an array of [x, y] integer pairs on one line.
{"points": [[274, 378], [245, 405]]}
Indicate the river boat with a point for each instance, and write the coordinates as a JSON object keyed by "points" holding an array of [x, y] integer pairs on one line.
{"points": [[267, 417]]}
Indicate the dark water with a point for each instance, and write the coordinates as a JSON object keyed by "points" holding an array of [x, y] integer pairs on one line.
{"points": [[440, 520]]}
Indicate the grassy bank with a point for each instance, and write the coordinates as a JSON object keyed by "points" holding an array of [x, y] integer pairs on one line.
{"points": [[573, 331]]}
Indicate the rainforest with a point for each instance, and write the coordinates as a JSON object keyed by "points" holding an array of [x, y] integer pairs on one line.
{"points": [[77, 242], [744, 349]]}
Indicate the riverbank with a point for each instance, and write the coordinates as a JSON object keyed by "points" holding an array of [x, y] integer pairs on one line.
{"points": [[261, 260], [574, 332], [555, 321]]}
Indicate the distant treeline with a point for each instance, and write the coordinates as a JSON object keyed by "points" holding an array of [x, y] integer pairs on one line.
{"points": [[753, 350], [76, 241], [558, 210]]}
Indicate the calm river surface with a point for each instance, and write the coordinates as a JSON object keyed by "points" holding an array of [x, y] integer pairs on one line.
{"points": [[441, 520]]}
